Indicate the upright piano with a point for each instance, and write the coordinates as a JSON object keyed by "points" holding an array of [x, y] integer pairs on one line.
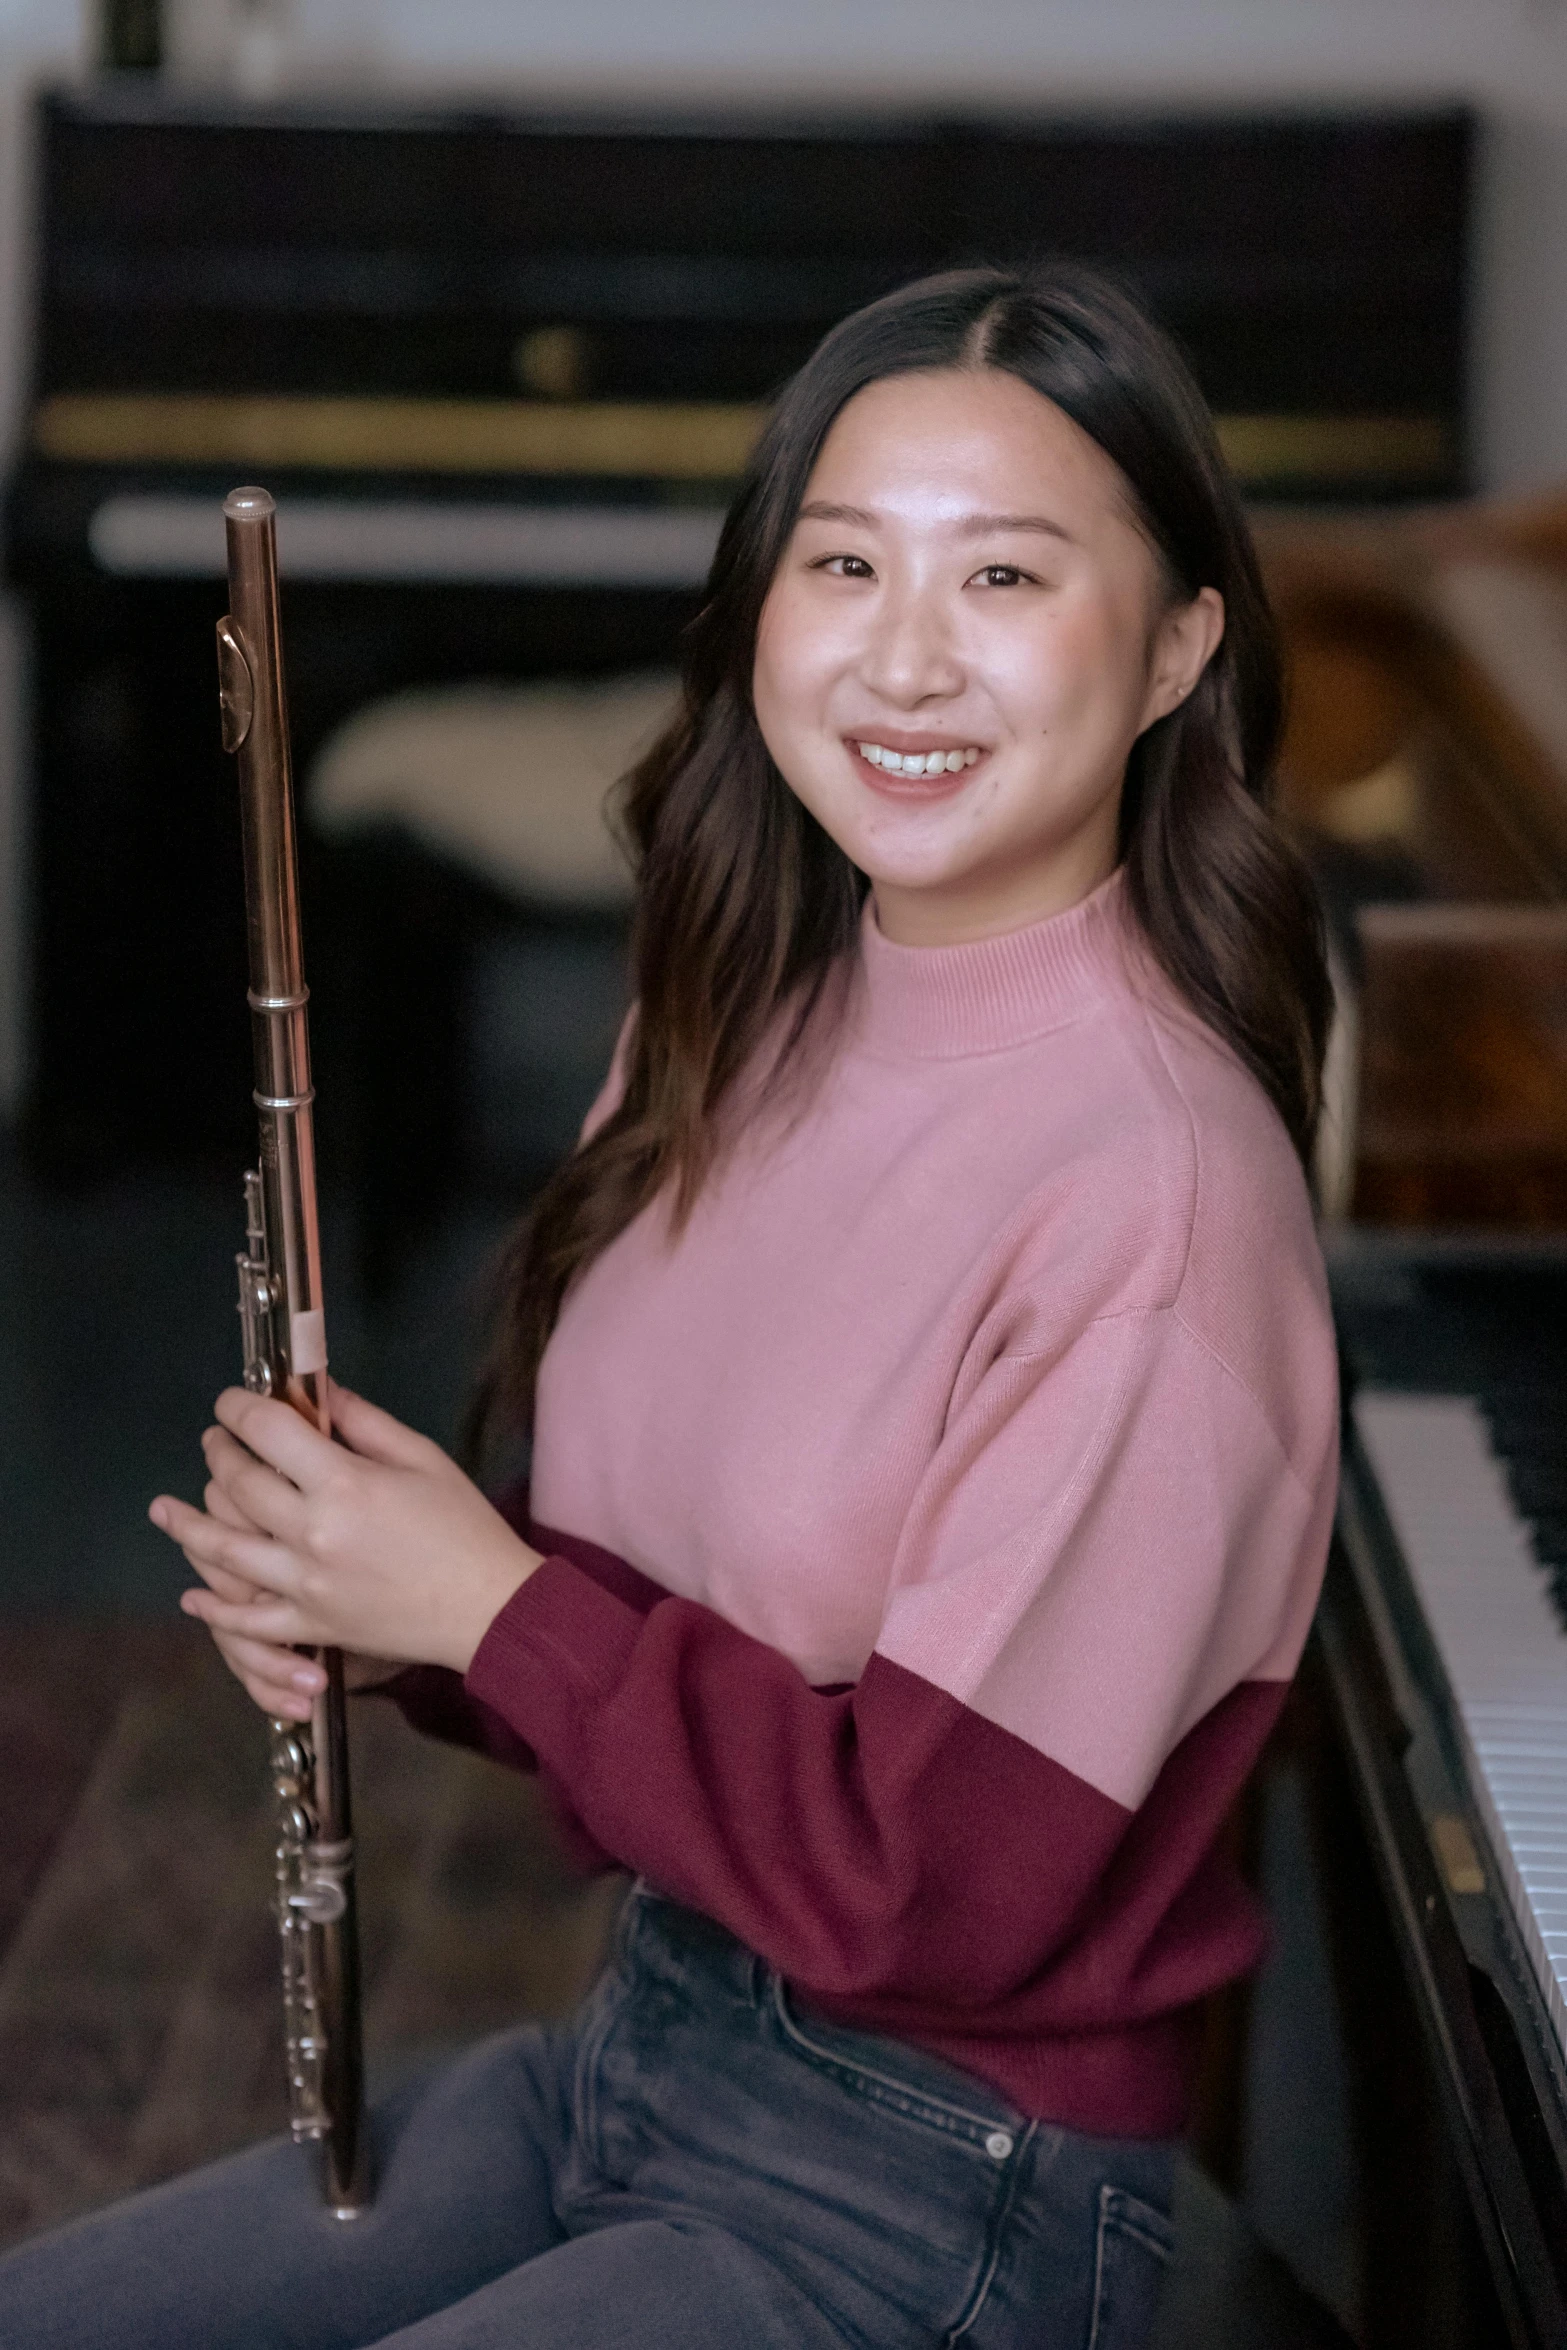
{"points": [[501, 370]]}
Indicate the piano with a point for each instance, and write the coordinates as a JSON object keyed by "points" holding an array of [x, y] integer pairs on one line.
{"points": [[1425, 773], [501, 369], [1442, 1644]]}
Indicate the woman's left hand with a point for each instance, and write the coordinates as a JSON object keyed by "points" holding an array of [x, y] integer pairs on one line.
{"points": [[374, 1541]]}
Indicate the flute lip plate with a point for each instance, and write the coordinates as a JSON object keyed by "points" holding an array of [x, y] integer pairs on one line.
{"points": [[249, 505], [236, 686]]}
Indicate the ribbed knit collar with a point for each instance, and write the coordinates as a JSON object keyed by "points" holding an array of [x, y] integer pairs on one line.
{"points": [[937, 1002]]}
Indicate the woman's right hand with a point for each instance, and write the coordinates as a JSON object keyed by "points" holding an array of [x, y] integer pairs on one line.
{"points": [[281, 1681]]}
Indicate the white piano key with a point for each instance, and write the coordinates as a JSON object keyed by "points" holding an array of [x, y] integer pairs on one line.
{"points": [[1501, 1643]]}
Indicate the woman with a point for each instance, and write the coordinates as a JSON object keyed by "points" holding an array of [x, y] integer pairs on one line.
{"points": [[932, 1391]]}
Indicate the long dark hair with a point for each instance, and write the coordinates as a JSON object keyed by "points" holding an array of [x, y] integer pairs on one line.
{"points": [[746, 907]]}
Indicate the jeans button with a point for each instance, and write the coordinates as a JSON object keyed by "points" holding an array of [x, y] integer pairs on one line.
{"points": [[999, 2145]]}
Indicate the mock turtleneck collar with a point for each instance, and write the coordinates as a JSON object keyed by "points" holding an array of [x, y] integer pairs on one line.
{"points": [[939, 1002]]}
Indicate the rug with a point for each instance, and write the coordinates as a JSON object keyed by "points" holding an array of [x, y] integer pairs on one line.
{"points": [[140, 2027]]}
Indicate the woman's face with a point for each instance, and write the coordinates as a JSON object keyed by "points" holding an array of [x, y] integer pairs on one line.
{"points": [[966, 579]]}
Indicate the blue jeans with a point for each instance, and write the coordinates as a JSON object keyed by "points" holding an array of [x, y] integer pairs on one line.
{"points": [[693, 2164]]}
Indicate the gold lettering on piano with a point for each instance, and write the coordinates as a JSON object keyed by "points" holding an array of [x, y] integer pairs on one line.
{"points": [[650, 440], [1455, 1850]]}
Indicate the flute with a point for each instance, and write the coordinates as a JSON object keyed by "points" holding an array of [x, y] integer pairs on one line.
{"points": [[284, 1332]]}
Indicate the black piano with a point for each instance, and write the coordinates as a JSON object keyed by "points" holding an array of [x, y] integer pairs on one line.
{"points": [[1441, 1649], [500, 371]]}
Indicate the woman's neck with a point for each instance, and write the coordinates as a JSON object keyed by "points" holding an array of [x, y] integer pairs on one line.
{"points": [[989, 905]]}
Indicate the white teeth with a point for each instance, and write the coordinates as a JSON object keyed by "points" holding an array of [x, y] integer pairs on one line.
{"points": [[916, 762]]}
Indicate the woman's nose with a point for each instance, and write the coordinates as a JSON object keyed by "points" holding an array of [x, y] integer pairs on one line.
{"points": [[909, 655]]}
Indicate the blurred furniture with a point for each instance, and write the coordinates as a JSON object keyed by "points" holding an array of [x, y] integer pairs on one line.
{"points": [[479, 933], [1425, 771], [501, 371], [510, 781]]}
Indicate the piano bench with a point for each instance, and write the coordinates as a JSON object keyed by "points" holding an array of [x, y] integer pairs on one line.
{"points": [[1226, 2290]]}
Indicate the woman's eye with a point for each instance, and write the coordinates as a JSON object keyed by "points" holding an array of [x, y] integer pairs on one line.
{"points": [[845, 566], [1000, 575]]}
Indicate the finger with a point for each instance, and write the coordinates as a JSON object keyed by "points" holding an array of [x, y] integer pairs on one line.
{"points": [[366, 1429], [217, 1505], [278, 1703], [276, 1622], [277, 1678], [206, 1543], [278, 1435], [229, 1586], [261, 1496], [264, 1660]]}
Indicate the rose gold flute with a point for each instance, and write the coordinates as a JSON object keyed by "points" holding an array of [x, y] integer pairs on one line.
{"points": [[285, 1355]]}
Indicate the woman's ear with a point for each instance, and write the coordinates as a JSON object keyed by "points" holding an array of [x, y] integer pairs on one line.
{"points": [[1185, 641]]}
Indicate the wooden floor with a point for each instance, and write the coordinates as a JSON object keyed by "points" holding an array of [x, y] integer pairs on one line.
{"points": [[139, 2017]]}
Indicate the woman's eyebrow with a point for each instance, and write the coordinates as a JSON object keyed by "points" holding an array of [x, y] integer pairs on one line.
{"points": [[823, 510], [968, 526], [979, 525]]}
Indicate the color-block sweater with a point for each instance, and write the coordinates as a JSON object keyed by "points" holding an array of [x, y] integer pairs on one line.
{"points": [[933, 1526]]}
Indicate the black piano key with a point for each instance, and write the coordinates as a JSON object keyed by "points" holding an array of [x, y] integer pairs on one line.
{"points": [[1497, 1332]]}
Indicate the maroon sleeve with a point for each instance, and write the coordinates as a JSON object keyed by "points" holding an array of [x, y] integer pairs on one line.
{"points": [[434, 1700], [881, 1840]]}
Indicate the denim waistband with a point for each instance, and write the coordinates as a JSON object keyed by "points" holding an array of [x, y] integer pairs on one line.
{"points": [[662, 1940]]}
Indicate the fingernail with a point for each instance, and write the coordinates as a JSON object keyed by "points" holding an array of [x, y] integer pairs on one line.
{"points": [[309, 1680], [158, 1514]]}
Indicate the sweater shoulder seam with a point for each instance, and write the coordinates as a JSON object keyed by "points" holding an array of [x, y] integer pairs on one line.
{"points": [[1216, 1355], [1179, 1319]]}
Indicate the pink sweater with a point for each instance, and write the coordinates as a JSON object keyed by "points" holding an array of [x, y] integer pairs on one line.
{"points": [[935, 1526]]}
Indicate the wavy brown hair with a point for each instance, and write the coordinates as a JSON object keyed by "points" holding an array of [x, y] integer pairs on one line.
{"points": [[746, 907]]}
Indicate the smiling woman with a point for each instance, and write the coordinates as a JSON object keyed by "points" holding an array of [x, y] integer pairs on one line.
{"points": [[1133, 635], [919, 631], [931, 1385]]}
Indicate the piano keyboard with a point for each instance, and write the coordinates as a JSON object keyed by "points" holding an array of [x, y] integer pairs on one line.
{"points": [[1486, 1591]]}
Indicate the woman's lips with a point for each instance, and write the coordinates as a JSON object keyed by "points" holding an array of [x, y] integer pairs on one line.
{"points": [[926, 767]]}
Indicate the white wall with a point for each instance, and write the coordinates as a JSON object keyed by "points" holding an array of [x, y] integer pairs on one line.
{"points": [[1508, 57]]}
